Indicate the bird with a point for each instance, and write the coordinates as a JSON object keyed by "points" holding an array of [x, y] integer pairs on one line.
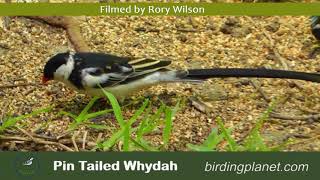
{"points": [[315, 30], [315, 26], [28, 162], [88, 72]]}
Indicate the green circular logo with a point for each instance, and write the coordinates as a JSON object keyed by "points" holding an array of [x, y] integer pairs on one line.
{"points": [[26, 165]]}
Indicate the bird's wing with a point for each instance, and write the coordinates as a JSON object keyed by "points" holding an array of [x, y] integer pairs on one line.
{"points": [[146, 66], [105, 76], [120, 73]]}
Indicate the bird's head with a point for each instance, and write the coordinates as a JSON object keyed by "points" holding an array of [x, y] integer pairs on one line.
{"points": [[51, 69]]}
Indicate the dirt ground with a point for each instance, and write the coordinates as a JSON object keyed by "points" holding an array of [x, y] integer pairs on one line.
{"points": [[190, 42]]}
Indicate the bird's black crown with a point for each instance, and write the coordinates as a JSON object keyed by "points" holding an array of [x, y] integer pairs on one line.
{"points": [[53, 64]]}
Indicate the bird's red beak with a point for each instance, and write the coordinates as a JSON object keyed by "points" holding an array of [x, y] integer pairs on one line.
{"points": [[45, 80]]}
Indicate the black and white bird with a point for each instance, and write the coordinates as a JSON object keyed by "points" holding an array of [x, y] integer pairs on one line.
{"points": [[315, 30], [88, 72], [315, 26]]}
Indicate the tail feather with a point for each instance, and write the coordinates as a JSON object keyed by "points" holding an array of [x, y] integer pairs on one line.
{"points": [[202, 74]]}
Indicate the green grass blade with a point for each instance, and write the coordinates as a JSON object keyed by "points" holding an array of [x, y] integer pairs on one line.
{"points": [[106, 145], [115, 106], [144, 123], [200, 148], [214, 138], [125, 131], [67, 114], [126, 137], [232, 143], [254, 141], [210, 143], [81, 117], [168, 126], [154, 120], [169, 114], [95, 114], [11, 121], [112, 140], [138, 112], [143, 145]]}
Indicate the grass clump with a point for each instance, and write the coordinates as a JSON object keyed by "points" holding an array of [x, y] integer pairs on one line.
{"points": [[148, 124], [253, 142], [11, 121], [161, 120], [132, 138], [84, 116]]}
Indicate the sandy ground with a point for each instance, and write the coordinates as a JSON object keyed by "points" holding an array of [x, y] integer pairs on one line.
{"points": [[196, 42]]}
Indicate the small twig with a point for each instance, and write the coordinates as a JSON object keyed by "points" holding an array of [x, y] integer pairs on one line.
{"points": [[73, 139], [14, 138], [99, 138], [45, 137], [84, 139], [57, 144], [275, 51], [304, 141], [272, 46], [35, 140], [307, 110], [140, 29], [200, 105], [153, 30], [120, 145], [12, 146], [314, 117], [79, 141], [281, 59], [186, 30], [25, 132], [257, 86], [51, 148], [64, 134], [40, 141], [18, 85]]}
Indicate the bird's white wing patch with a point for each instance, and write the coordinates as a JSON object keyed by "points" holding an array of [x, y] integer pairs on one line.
{"points": [[89, 80], [92, 81], [89, 70]]}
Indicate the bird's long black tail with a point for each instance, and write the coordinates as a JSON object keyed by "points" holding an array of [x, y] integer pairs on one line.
{"points": [[202, 74]]}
